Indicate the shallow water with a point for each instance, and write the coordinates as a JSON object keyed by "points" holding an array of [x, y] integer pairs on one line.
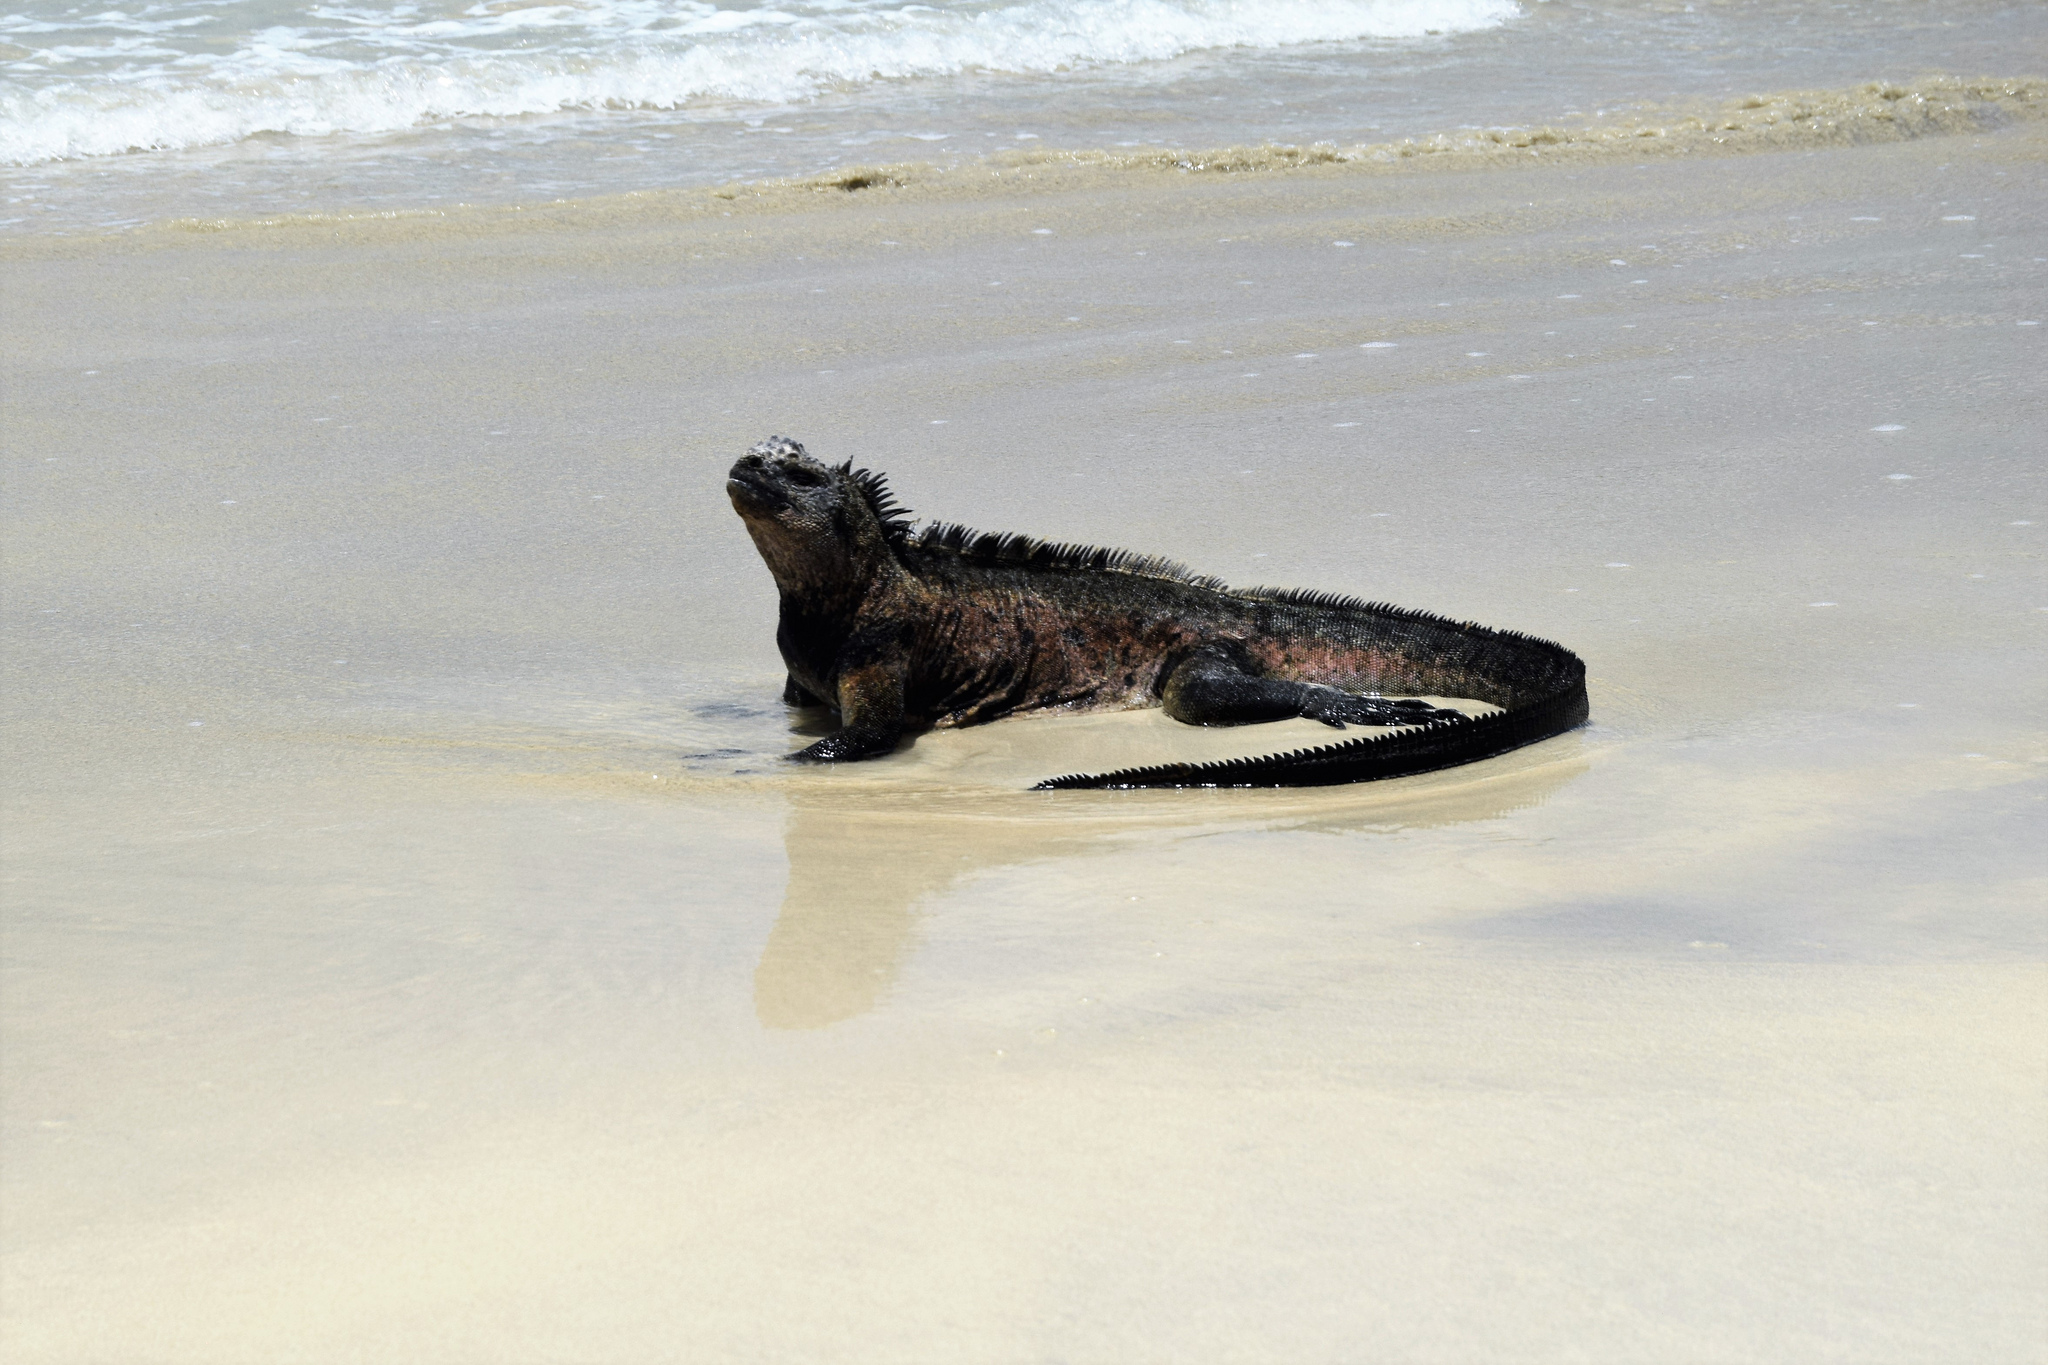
{"points": [[416, 947]]}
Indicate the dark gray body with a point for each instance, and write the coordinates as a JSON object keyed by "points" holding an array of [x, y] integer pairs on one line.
{"points": [[900, 630]]}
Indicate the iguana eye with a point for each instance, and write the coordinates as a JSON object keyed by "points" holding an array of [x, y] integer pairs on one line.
{"points": [[803, 474]]}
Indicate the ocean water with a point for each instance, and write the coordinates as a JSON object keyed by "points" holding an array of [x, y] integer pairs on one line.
{"points": [[115, 116]]}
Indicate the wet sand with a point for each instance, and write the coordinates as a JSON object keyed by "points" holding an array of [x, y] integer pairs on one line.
{"points": [[415, 948]]}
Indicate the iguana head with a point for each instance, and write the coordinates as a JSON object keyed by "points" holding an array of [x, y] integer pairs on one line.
{"points": [[820, 528]]}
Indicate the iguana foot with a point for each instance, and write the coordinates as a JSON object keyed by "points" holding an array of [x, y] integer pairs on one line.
{"points": [[847, 745], [1216, 685], [1337, 709]]}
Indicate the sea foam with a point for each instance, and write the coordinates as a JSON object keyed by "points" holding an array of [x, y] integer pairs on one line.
{"points": [[84, 82]]}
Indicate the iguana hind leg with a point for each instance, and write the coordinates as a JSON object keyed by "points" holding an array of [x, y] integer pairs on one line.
{"points": [[1217, 685]]}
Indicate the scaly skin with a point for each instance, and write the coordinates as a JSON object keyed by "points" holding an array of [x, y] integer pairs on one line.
{"points": [[901, 631]]}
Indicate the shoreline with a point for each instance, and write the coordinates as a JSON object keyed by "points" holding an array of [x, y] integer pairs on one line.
{"points": [[1870, 114]]}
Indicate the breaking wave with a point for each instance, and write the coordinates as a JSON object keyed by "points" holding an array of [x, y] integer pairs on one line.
{"points": [[80, 81]]}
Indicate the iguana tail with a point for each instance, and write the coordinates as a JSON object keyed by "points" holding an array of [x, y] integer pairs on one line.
{"points": [[1541, 686]]}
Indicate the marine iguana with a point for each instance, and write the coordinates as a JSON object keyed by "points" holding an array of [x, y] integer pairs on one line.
{"points": [[901, 629]]}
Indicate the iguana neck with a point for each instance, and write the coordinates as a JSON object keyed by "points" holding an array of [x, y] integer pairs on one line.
{"points": [[819, 613]]}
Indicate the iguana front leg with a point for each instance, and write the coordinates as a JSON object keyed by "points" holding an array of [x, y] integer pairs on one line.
{"points": [[871, 715], [1216, 685]]}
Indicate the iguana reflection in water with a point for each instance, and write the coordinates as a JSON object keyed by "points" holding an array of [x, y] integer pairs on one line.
{"points": [[859, 866]]}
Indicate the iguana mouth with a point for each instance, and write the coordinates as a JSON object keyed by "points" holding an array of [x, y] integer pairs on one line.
{"points": [[753, 490]]}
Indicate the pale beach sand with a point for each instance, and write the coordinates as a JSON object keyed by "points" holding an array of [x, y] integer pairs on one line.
{"points": [[416, 950]]}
